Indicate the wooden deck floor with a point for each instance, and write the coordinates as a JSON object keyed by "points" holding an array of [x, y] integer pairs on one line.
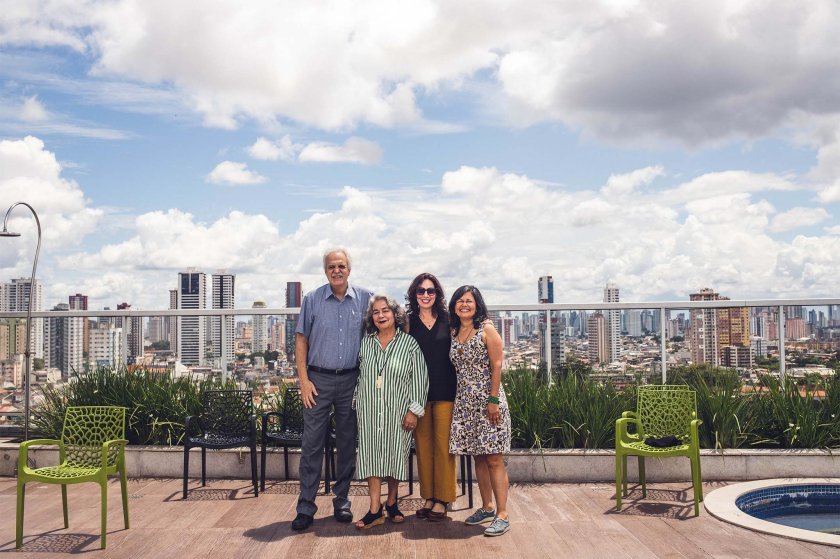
{"points": [[225, 520]]}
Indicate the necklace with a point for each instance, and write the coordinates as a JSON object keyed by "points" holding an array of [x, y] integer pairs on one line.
{"points": [[467, 337], [428, 322]]}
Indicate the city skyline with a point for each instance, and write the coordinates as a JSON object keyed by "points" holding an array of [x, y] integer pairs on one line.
{"points": [[664, 148]]}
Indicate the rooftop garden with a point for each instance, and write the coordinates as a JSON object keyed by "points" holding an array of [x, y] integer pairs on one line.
{"points": [[573, 411]]}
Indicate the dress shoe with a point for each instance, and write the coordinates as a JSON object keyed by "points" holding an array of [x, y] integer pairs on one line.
{"points": [[301, 522], [343, 515]]}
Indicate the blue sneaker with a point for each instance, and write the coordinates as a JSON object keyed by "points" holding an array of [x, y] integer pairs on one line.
{"points": [[480, 516], [498, 527]]}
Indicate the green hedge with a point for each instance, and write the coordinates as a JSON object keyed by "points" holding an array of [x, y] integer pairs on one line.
{"points": [[574, 411], [578, 412]]}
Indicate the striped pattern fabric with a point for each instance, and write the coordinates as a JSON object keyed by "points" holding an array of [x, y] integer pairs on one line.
{"points": [[383, 443]]}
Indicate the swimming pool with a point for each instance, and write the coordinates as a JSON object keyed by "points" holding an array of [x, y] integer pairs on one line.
{"points": [[804, 509]]}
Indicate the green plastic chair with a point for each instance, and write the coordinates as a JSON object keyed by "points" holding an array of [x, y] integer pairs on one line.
{"points": [[91, 448], [662, 410]]}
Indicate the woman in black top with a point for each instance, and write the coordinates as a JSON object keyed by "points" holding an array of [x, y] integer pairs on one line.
{"points": [[429, 324]]}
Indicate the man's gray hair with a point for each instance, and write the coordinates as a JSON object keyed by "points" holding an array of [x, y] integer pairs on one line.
{"points": [[342, 251], [399, 313]]}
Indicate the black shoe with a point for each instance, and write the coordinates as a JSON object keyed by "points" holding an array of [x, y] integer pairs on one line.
{"points": [[301, 522], [343, 515]]}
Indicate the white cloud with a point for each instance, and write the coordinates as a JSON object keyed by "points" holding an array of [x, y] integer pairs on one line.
{"points": [[283, 149], [624, 184], [624, 71], [499, 231], [795, 218], [353, 150], [32, 110], [31, 173], [233, 173]]}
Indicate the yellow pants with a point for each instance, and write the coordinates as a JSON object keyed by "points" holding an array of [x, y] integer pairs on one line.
{"points": [[435, 466]]}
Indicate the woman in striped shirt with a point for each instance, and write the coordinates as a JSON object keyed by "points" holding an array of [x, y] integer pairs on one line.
{"points": [[390, 396]]}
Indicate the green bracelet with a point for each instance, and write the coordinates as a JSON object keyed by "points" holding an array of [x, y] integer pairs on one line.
{"points": [[493, 400]]}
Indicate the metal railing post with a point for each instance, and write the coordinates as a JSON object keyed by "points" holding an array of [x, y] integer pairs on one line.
{"points": [[663, 335], [222, 350], [124, 341], [548, 345], [782, 371]]}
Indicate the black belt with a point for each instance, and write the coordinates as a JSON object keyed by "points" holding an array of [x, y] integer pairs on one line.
{"points": [[332, 371]]}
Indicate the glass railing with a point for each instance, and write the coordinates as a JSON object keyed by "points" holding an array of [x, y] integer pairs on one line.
{"points": [[619, 343]]}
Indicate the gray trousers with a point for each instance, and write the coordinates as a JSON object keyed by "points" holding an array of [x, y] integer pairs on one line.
{"points": [[333, 391]]}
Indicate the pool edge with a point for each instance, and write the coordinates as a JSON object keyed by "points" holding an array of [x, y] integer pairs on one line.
{"points": [[720, 503]]}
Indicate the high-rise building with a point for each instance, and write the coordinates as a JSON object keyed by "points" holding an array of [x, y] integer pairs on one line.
{"points": [[545, 289], [134, 333], [64, 335], [171, 322], [259, 336], [294, 294], [4, 297], [558, 345], [508, 331], [611, 295], [223, 298], [634, 323], [715, 332], [795, 328], [733, 326], [79, 302], [703, 324], [277, 335], [18, 300], [105, 345], [156, 332], [598, 347], [192, 330], [737, 356]]}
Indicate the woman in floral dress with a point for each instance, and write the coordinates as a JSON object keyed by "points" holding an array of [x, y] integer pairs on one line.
{"points": [[480, 418]]}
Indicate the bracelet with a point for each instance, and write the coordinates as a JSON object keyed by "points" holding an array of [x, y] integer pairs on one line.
{"points": [[493, 400]]}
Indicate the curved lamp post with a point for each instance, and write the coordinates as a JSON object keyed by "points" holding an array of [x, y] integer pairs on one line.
{"points": [[28, 352]]}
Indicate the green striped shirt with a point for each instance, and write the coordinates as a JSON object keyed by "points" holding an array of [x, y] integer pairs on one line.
{"points": [[383, 443]]}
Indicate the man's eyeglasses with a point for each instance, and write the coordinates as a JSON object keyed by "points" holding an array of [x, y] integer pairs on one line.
{"points": [[424, 290]]}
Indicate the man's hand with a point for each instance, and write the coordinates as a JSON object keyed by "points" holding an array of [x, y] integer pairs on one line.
{"points": [[308, 393]]}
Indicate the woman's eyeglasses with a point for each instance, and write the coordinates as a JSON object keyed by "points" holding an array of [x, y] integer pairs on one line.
{"points": [[424, 290]]}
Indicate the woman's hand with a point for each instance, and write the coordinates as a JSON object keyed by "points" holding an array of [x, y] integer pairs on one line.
{"points": [[493, 414], [409, 421]]}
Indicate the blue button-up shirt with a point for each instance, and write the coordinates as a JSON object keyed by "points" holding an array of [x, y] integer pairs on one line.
{"points": [[334, 328]]}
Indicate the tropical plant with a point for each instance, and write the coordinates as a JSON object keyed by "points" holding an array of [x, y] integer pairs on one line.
{"points": [[157, 403]]}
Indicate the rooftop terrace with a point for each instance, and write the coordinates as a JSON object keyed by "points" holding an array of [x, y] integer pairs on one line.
{"points": [[225, 520]]}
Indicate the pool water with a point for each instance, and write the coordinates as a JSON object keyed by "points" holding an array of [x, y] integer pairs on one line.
{"points": [[827, 523], [809, 507]]}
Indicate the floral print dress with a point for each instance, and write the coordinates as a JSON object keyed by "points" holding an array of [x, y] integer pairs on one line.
{"points": [[471, 432]]}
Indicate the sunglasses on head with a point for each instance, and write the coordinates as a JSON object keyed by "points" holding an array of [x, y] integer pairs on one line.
{"points": [[424, 290]]}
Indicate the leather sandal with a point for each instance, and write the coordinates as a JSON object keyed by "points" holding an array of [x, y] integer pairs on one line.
{"points": [[394, 513], [435, 516], [423, 512], [371, 519]]}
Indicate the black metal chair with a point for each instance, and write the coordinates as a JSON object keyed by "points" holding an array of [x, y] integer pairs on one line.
{"points": [[285, 428], [227, 421], [466, 473]]}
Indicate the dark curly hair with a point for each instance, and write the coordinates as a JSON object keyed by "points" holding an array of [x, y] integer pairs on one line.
{"points": [[439, 307], [480, 308]]}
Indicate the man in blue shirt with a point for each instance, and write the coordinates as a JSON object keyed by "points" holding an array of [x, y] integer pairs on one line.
{"points": [[327, 339]]}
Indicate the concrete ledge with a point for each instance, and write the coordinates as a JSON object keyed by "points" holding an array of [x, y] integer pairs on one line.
{"points": [[572, 466]]}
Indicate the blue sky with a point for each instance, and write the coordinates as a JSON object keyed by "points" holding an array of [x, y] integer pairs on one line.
{"points": [[661, 146]]}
